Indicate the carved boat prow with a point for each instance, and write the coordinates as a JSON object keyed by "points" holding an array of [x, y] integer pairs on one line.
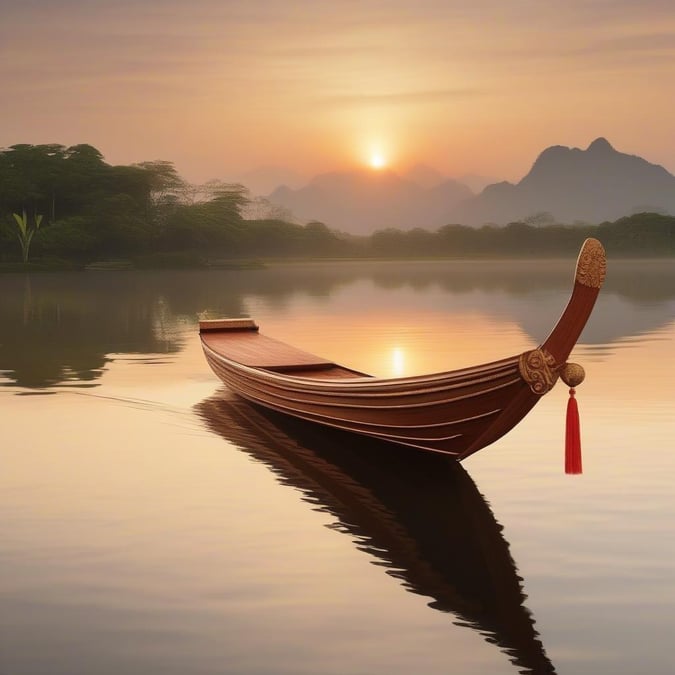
{"points": [[455, 412]]}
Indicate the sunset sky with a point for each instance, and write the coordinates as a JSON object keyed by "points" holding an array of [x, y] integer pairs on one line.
{"points": [[221, 87]]}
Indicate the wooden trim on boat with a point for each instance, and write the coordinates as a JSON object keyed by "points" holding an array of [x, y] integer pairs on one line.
{"points": [[226, 324]]}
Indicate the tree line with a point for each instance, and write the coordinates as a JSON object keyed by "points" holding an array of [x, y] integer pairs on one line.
{"points": [[67, 203]]}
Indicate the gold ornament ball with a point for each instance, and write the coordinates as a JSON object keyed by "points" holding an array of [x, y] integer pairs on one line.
{"points": [[572, 374]]}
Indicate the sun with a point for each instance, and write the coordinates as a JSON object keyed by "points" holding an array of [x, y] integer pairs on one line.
{"points": [[377, 161]]}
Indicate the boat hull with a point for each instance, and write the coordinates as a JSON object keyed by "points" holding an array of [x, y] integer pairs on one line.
{"points": [[439, 413]]}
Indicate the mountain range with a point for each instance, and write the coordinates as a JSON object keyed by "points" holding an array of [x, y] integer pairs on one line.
{"points": [[592, 185], [570, 184], [361, 202]]}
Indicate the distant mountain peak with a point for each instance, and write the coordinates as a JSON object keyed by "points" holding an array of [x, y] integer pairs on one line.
{"points": [[600, 144], [592, 185]]}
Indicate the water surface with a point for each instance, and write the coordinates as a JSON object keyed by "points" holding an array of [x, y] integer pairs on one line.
{"points": [[154, 523]]}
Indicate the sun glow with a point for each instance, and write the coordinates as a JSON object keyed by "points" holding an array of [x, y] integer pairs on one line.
{"points": [[377, 161]]}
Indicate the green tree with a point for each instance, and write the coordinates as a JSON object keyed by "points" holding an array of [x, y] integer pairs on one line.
{"points": [[215, 224]]}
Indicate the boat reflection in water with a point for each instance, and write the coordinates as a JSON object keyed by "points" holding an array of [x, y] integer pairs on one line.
{"points": [[419, 514]]}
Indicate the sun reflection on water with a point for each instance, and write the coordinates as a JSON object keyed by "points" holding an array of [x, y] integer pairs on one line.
{"points": [[397, 361]]}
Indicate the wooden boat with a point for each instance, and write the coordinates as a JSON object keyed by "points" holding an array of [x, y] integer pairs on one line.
{"points": [[456, 412], [420, 517]]}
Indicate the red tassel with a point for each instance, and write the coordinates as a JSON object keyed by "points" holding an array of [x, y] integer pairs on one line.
{"points": [[572, 437]]}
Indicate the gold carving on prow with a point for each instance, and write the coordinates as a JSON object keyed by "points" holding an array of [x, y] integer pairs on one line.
{"points": [[592, 264], [537, 368]]}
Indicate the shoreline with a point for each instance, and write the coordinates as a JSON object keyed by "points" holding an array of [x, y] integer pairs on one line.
{"points": [[265, 263]]}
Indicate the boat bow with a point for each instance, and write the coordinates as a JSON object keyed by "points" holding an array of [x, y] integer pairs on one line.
{"points": [[540, 368]]}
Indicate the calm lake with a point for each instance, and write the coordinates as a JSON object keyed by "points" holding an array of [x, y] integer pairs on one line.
{"points": [[153, 523]]}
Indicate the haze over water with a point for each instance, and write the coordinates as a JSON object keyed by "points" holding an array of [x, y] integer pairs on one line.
{"points": [[153, 523]]}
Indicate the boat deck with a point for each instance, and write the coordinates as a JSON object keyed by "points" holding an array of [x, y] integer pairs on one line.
{"points": [[246, 346]]}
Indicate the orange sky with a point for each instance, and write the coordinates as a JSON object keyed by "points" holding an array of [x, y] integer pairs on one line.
{"points": [[222, 87]]}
